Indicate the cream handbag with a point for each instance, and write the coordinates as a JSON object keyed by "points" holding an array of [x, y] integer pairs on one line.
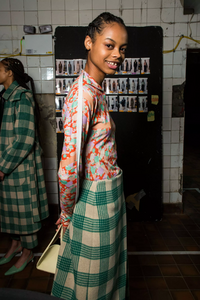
{"points": [[48, 260]]}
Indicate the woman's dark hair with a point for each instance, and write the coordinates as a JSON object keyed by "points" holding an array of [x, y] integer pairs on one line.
{"points": [[17, 68], [22, 78], [98, 24]]}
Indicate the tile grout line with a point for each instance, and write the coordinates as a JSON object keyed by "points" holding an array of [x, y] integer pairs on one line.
{"points": [[163, 252], [142, 253]]}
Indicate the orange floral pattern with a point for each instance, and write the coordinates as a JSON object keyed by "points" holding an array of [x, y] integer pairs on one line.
{"points": [[98, 150]]}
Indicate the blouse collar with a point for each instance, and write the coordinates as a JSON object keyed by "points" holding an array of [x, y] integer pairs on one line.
{"points": [[90, 81]]}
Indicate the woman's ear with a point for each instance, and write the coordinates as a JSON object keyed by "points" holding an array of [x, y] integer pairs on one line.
{"points": [[10, 73], [88, 42]]}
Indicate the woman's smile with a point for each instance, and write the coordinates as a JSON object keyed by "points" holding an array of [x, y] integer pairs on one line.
{"points": [[112, 65]]}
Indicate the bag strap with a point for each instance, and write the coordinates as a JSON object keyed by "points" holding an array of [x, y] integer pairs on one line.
{"points": [[79, 130], [54, 239]]}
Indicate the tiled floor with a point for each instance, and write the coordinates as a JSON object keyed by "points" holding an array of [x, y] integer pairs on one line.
{"points": [[164, 256]]}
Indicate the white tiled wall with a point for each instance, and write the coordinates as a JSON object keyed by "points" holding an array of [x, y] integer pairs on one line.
{"points": [[165, 13]]}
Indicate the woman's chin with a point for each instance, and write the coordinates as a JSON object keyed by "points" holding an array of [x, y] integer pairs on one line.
{"points": [[111, 72]]}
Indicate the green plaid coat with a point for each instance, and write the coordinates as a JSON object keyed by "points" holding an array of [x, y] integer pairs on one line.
{"points": [[23, 199]]}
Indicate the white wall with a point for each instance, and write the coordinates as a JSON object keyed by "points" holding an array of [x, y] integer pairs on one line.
{"points": [[165, 13]]}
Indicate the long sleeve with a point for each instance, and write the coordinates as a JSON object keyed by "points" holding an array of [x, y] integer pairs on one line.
{"points": [[23, 136], [68, 166]]}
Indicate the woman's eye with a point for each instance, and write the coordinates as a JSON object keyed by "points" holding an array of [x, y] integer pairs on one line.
{"points": [[123, 50], [109, 46]]}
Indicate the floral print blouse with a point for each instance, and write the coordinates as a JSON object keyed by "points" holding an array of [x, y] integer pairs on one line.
{"points": [[98, 148]]}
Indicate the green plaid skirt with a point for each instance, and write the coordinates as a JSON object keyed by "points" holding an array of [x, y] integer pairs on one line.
{"points": [[92, 262]]}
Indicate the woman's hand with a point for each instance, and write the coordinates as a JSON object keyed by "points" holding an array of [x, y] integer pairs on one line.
{"points": [[59, 223], [2, 176]]}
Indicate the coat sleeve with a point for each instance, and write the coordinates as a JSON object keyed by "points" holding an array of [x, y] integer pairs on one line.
{"points": [[67, 174], [23, 136]]}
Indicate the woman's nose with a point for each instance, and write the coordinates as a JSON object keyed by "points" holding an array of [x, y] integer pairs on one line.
{"points": [[116, 53]]}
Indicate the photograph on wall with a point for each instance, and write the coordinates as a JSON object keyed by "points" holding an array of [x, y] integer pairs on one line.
{"points": [[142, 104], [127, 88], [136, 65], [122, 103], [64, 86], [113, 103], [59, 102], [126, 66], [58, 86], [143, 85], [145, 65], [104, 85], [70, 67], [77, 63], [132, 104], [122, 85], [107, 102], [59, 66], [64, 67], [68, 83], [114, 87], [133, 83], [118, 85], [83, 64], [108, 85], [59, 125], [118, 71], [137, 85]]}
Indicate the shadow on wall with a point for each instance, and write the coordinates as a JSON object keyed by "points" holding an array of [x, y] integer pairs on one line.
{"points": [[47, 124]]}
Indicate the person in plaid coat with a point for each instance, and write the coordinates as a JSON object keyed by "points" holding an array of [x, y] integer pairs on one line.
{"points": [[92, 260], [23, 199]]}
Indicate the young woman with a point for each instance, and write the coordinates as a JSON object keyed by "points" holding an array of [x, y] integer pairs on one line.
{"points": [[23, 200], [92, 262]]}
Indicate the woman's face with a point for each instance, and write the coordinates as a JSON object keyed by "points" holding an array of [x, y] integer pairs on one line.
{"points": [[107, 52], [3, 73], [6, 77]]}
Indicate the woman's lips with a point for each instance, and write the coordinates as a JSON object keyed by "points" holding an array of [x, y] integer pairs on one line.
{"points": [[112, 65]]}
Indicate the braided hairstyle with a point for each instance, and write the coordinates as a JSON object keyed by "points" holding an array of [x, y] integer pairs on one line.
{"points": [[98, 24], [22, 78], [17, 68]]}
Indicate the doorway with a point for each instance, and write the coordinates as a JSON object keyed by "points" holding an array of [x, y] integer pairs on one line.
{"points": [[191, 163]]}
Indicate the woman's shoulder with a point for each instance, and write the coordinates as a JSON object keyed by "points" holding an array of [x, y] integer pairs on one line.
{"points": [[89, 92], [20, 92]]}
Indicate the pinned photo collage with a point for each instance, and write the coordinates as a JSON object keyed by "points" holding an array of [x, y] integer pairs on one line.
{"points": [[134, 66], [125, 85], [123, 94], [63, 85], [66, 67], [127, 104], [124, 103]]}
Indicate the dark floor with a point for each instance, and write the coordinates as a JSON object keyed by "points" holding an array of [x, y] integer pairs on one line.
{"points": [[164, 256]]}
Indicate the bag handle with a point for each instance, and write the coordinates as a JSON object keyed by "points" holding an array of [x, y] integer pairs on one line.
{"points": [[54, 239], [79, 130], [46, 251]]}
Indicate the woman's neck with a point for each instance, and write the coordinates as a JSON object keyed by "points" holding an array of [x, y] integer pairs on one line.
{"points": [[8, 83], [94, 73]]}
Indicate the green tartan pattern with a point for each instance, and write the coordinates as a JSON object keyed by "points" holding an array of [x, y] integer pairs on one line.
{"points": [[23, 199], [92, 261], [27, 241]]}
